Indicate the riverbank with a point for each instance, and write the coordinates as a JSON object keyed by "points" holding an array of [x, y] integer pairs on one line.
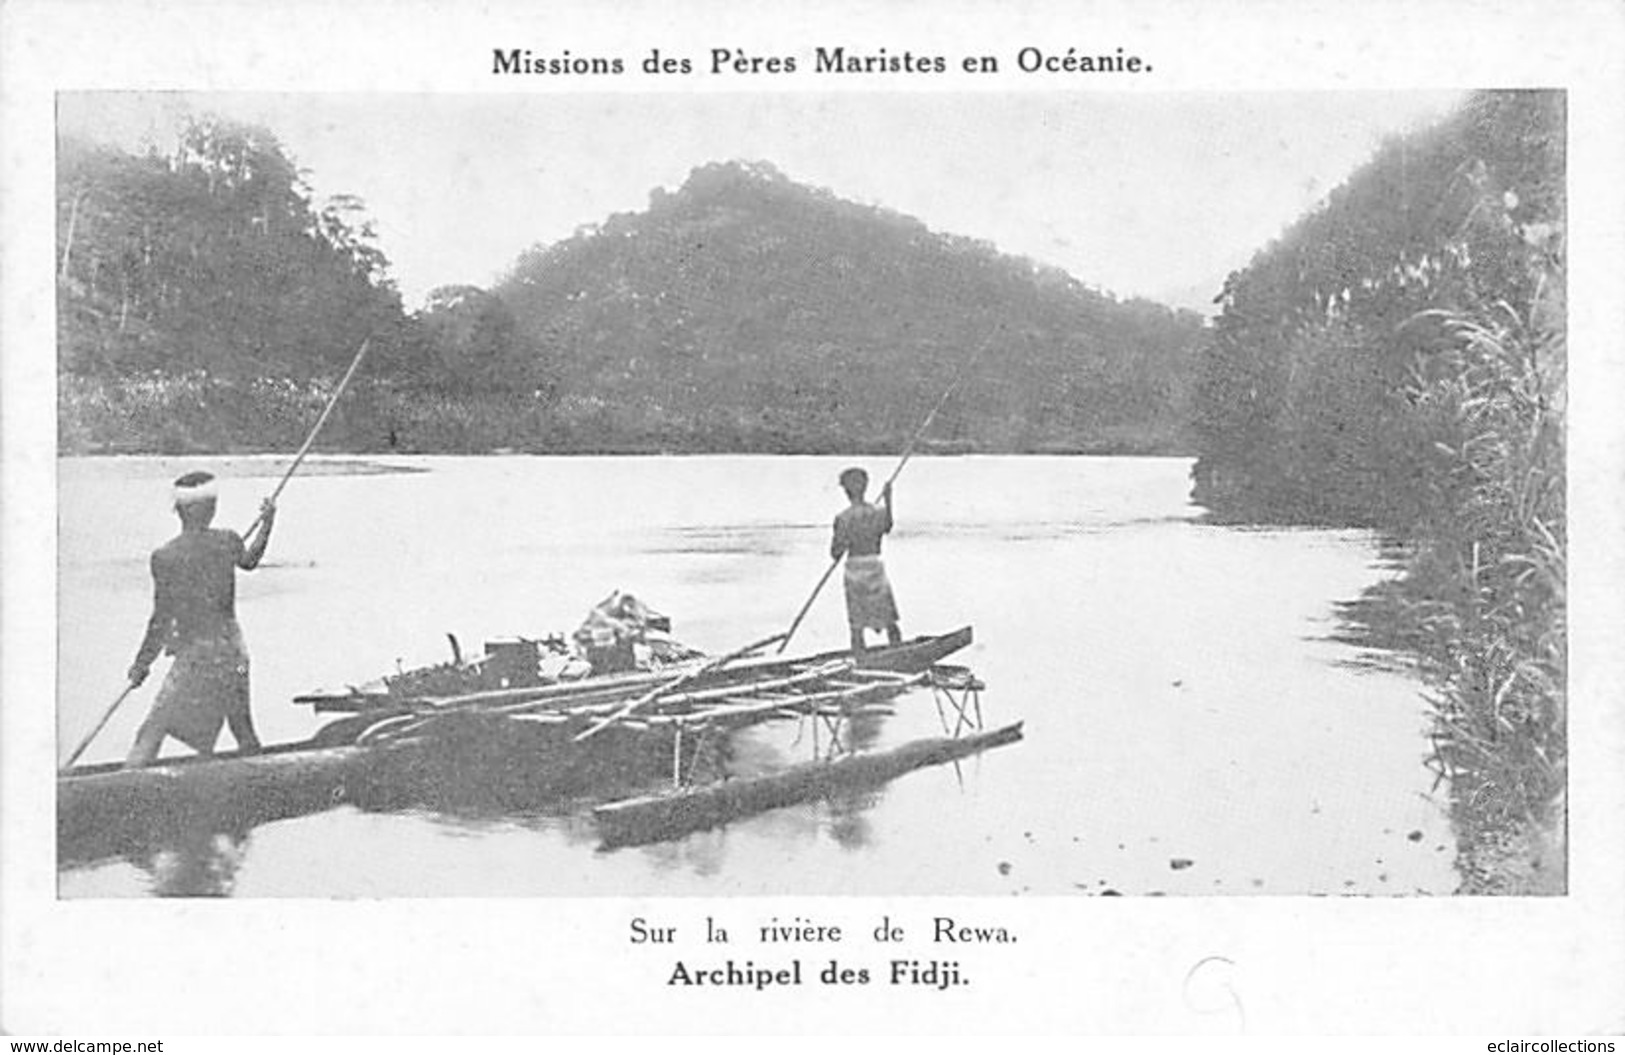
{"points": [[199, 415], [1498, 707]]}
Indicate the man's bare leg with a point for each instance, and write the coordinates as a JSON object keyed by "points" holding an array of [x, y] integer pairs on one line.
{"points": [[145, 749], [242, 728]]}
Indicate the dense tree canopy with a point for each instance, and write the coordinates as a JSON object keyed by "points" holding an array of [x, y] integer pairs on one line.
{"points": [[1305, 402], [212, 259]]}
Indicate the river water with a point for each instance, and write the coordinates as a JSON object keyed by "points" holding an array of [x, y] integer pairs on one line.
{"points": [[1193, 727]]}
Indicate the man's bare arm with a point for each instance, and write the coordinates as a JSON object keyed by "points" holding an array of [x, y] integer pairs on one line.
{"points": [[259, 538], [158, 625]]}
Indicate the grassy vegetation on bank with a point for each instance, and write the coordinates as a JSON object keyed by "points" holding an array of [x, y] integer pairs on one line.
{"points": [[1482, 600], [1397, 359]]}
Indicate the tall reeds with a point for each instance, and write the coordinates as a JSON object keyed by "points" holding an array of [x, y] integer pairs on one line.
{"points": [[1486, 590]]}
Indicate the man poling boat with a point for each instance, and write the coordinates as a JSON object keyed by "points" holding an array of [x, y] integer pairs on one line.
{"points": [[858, 530], [194, 618]]}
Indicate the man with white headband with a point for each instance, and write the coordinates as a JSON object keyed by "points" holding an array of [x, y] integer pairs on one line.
{"points": [[194, 618]]}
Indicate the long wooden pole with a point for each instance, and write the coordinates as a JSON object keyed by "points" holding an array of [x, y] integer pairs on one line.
{"points": [[908, 452], [316, 429], [299, 458], [106, 716], [672, 686]]}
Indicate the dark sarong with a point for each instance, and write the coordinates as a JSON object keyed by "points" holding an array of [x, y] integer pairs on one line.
{"points": [[207, 683]]}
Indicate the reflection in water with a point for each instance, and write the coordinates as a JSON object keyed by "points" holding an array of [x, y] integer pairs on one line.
{"points": [[848, 807], [199, 863], [848, 820], [701, 854]]}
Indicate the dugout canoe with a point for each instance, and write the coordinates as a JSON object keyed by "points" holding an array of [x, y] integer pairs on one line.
{"points": [[521, 739]]}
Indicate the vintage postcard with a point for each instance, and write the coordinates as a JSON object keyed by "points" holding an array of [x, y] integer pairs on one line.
{"points": [[1063, 519]]}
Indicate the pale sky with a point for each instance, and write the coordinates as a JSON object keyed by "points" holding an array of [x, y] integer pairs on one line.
{"points": [[1159, 195]]}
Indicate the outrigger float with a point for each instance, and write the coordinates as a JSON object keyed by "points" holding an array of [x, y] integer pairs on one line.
{"points": [[695, 807], [521, 748]]}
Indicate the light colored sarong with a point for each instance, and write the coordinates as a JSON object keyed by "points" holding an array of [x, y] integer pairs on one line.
{"points": [[207, 682], [869, 601]]}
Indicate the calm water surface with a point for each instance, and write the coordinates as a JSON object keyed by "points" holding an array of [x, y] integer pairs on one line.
{"points": [[1191, 725]]}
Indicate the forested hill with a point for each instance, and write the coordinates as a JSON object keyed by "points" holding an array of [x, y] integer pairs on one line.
{"points": [[206, 301], [768, 313], [213, 258]]}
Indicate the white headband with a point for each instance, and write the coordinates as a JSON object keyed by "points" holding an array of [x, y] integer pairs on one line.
{"points": [[195, 493]]}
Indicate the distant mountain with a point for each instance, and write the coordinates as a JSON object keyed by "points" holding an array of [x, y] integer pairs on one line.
{"points": [[766, 314]]}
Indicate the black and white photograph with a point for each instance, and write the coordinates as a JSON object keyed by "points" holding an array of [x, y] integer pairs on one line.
{"points": [[700, 495], [584, 569]]}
